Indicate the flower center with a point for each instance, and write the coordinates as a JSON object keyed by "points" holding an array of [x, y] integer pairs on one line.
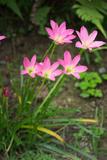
{"points": [[47, 74], [70, 69], [30, 70], [59, 39], [86, 45]]}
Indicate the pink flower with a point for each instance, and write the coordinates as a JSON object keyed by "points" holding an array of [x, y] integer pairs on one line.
{"points": [[49, 71], [87, 41], [2, 37], [70, 65], [31, 67], [59, 34]]}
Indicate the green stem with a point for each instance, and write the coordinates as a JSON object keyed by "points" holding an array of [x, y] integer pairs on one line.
{"points": [[54, 46], [10, 144], [41, 107], [47, 51], [100, 48], [40, 88], [81, 51], [87, 58]]}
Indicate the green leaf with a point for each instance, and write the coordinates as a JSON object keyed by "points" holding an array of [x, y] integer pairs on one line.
{"points": [[92, 11], [41, 18], [54, 149], [40, 112], [84, 85], [84, 94], [14, 7], [104, 76], [98, 93]]}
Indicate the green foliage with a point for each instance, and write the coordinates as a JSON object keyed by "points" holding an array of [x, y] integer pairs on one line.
{"points": [[92, 11], [89, 83], [30, 155], [41, 17], [104, 76], [12, 4]]}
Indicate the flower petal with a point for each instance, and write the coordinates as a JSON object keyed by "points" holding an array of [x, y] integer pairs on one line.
{"points": [[67, 58], [92, 36], [79, 45], [76, 60], [76, 75], [54, 66], [69, 37], [26, 62], [57, 72], [2, 37], [69, 31], [33, 60], [49, 31], [80, 69], [52, 78], [32, 75], [96, 44], [79, 35], [24, 72], [47, 63], [83, 33], [54, 25], [62, 28], [61, 62]]}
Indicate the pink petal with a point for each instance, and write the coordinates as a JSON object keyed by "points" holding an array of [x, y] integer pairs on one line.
{"points": [[96, 44], [79, 35], [67, 58], [83, 33], [67, 41], [38, 68], [61, 62], [76, 75], [52, 77], [80, 69], [54, 66], [33, 60], [69, 31], [47, 63], [49, 31], [62, 28], [26, 62], [54, 25], [69, 37], [76, 60], [62, 25], [92, 36], [79, 45], [32, 75], [2, 37], [24, 72], [57, 72]]}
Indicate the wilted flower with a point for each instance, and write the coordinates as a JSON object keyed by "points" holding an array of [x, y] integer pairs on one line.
{"points": [[31, 67], [87, 41], [70, 65], [49, 71], [59, 34], [6, 92]]}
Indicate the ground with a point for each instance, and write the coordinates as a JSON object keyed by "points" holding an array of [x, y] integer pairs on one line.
{"points": [[11, 50]]}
